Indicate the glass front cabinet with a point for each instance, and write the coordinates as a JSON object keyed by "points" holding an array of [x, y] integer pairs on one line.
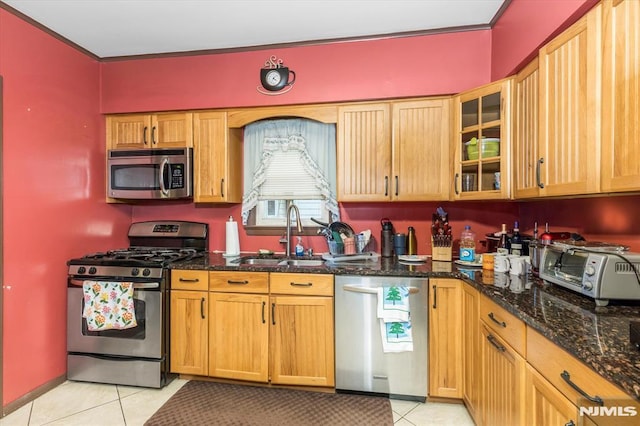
{"points": [[482, 143]]}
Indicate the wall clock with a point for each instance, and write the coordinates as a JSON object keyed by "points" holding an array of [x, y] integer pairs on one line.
{"points": [[275, 77]]}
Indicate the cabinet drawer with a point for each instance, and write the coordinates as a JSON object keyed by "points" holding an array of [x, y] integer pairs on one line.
{"points": [[552, 361], [308, 284], [239, 282], [185, 279], [504, 324]]}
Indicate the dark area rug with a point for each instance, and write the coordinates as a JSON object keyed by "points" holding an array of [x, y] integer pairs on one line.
{"points": [[210, 403]]}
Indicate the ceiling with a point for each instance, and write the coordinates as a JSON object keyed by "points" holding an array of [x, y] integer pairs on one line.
{"points": [[116, 28]]}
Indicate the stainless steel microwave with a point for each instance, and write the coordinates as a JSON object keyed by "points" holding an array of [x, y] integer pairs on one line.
{"points": [[147, 174]]}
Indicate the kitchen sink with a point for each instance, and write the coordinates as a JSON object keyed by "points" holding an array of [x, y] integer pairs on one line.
{"points": [[301, 262], [260, 261]]}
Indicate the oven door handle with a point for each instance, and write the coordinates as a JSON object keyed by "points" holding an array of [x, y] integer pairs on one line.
{"points": [[79, 283]]}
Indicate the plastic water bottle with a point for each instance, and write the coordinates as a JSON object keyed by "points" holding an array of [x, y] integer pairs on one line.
{"points": [[468, 245]]}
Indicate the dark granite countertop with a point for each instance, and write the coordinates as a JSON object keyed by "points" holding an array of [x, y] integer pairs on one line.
{"points": [[597, 336]]}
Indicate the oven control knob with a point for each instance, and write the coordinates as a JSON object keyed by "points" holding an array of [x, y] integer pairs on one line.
{"points": [[146, 272], [92, 270], [82, 270], [587, 285], [590, 270], [135, 271]]}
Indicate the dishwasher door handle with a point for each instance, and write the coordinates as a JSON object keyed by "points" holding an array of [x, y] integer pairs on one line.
{"points": [[373, 290]]}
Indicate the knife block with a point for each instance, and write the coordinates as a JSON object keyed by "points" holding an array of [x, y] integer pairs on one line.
{"points": [[439, 253]]}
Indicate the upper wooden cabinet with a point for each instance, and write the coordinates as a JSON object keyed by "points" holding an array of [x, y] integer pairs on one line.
{"points": [[526, 168], [482, 142], [139, 131], [620, 94], [394, 151], [569, 147], [217, 159]]}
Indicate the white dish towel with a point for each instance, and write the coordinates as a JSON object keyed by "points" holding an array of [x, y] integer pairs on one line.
{"points": [[395, 319]]}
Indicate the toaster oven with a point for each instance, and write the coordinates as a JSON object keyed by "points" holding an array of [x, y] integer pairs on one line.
{"points": [[602, 272]]}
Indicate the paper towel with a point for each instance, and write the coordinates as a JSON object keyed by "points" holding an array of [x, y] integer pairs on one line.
{"points": [[233, 243]]}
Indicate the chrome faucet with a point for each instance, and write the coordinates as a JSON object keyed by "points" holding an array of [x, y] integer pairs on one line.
{"points": [[298, 225]]}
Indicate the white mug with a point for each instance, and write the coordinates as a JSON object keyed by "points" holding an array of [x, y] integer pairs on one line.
{"points": [[517, 265], [501, 279], [517, 283], [501, 263]]}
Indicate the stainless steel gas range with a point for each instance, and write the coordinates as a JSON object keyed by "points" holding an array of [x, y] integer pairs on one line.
{"points": [[136, 355]]}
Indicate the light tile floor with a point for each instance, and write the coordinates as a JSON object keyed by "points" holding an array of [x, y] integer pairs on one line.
{"points": [[82, 404]]}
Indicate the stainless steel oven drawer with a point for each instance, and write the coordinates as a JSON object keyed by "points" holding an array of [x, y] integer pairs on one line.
{"points": [[133, 372]]}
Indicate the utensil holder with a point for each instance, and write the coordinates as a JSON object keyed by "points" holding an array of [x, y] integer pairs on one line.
{"points": [[440, 253]]}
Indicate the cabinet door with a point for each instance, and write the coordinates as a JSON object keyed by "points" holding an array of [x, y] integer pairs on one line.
{"points": [[421, 150], [217, 159], [483, 142], [172, 130], [503, 372], [620, 94], [189, 332], [545, 405], [570, 109], [526, 168], [364, 153], [302, 342], [471, 350], [445, 339], [128, 131], [239, 336]]}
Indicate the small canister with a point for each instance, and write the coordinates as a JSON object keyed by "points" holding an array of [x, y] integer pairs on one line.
{"points": [[400, 244], [349, 245], [487, 261]]}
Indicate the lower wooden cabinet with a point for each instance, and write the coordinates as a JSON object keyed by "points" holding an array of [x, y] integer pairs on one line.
{"points": [[302, 342], [503, 373], [301, 336], [189, 322], [239, 336], [546, 405], [445, 339], [471, 350]]}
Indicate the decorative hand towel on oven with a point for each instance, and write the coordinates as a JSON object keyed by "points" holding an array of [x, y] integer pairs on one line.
{"points": [[395, 319], [108, 305]]}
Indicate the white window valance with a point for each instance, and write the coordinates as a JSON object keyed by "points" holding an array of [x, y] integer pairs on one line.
{"points": [[289, 159]]}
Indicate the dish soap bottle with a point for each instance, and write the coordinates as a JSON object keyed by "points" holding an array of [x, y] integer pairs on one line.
{"points": [[299, 247], [468, 245]]}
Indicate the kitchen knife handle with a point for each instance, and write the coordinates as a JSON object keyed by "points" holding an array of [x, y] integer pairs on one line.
{"points": [[455, 184], [567, 378], [386, 186], [538, 173]]}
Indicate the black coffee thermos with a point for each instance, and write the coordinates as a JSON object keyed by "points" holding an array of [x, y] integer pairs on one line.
{"points": [[386, 238]]}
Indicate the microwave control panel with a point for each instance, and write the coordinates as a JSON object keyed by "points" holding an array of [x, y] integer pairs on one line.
{"points": [[177, 176]]}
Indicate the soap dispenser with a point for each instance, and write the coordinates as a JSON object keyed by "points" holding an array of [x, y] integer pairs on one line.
{"points": [[299, 247]]}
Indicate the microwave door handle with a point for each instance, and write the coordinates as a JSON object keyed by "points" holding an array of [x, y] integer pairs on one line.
{"points": [[164, 168]]}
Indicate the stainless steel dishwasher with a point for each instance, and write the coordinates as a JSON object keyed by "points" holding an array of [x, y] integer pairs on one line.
{"points": [[361, 364]]}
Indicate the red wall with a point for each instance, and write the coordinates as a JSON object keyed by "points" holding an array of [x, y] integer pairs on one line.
{"points": [[391, 68], [525, 26], [53, 185]]}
